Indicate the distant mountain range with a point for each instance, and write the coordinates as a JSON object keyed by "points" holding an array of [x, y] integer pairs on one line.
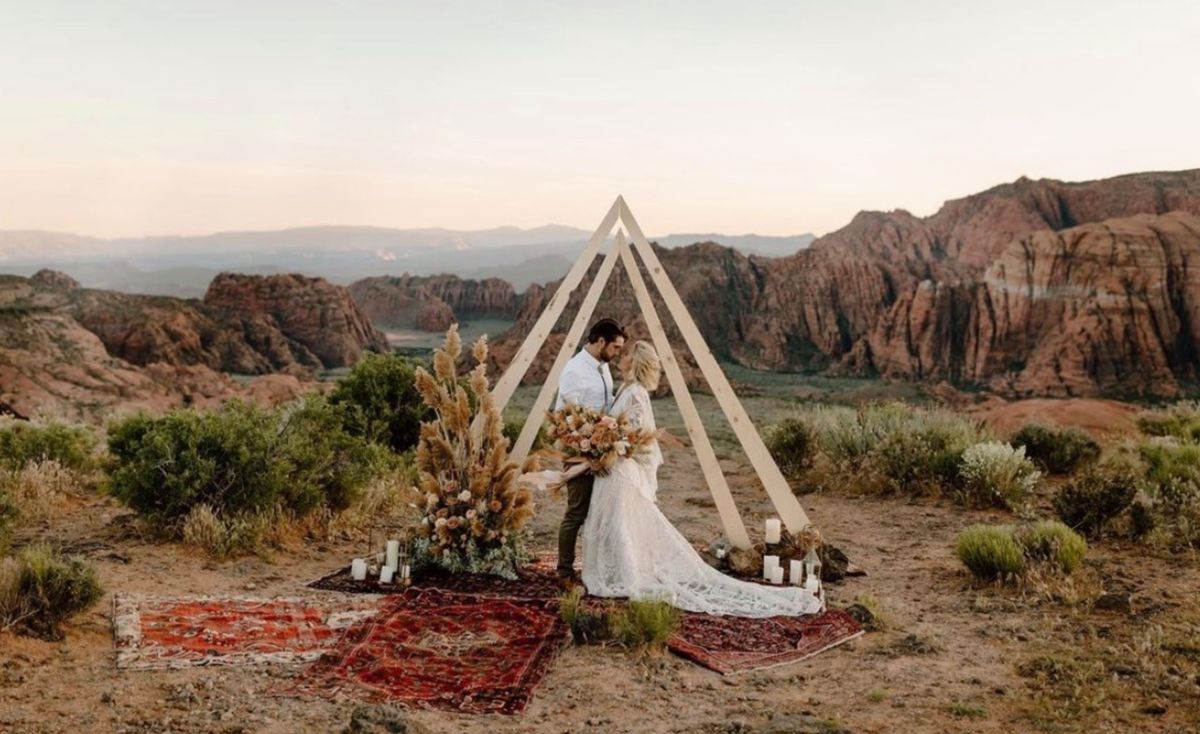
{"points": [[184, 266]]}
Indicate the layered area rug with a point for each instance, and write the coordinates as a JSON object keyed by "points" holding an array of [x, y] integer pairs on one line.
{"points": [[430, 648], [179, 633], [734, 645]]}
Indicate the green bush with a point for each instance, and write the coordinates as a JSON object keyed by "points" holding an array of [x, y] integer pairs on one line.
{"points": [[793, 445], [1049, 541], [1180, 420], [990, 552], [239, 460], [23, 443], [644, 623], [1090, 502], [926, 454], [1057, 450], [994, 473], [39, 591], [381, 402]]}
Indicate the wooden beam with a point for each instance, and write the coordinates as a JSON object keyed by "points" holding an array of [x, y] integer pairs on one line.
{"points": [[735, 529], [786, 504], [536, 416], [508, 382]]}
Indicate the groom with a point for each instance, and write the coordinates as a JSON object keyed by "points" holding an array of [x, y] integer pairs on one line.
{"points": [[587, 381]]}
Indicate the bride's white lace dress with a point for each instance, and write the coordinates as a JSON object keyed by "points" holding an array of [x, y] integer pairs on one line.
{"points": [[630, 549]]}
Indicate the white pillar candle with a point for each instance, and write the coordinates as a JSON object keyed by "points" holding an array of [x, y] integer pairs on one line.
{"points": [[812, 584], [796, 569], [385, 574], [777, 575], [773, 530], [406, 572], [770, 563], [358, 569], [393, 554]]}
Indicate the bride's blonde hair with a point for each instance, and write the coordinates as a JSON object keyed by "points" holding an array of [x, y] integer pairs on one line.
{"points": [[646, 369]]}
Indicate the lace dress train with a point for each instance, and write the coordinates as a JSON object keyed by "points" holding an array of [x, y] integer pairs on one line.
{"points": [[630, 549]]}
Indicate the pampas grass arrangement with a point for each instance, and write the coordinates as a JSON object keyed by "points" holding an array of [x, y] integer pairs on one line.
{"points": [[472, 509]]}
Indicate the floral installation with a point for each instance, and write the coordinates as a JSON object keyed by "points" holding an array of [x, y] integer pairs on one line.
{"points": [[471, 508]]}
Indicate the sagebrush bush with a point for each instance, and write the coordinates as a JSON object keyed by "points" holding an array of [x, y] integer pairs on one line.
{"points": [[925, 456], [23, 443], [990, 552], [644, 623], [381, 401], [240, 460], [996, 474], [39, 591], [1180, 420], [1091, 502], [1052, 542], [1057, 450], [793, 445]]}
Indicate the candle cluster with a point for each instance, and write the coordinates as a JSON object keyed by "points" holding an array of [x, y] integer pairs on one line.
{"points": [[805, 573], [391, 564]]}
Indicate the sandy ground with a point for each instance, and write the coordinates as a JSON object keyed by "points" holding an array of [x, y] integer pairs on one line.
{"points": [[947, 642]]}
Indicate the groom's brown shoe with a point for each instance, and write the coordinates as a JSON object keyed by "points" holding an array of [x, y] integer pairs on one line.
{"points": [[569, 580]]}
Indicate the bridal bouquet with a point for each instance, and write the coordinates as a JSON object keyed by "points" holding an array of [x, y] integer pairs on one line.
{"points": [[585, 439]]}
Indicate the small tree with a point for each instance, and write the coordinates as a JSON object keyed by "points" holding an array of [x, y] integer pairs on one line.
{"points": [[382, 401]]}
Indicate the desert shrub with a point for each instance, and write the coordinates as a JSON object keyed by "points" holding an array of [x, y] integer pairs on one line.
{"points": [[925, 455], [990, 552], [512, 431], [1052, 542], [1171, 465], [644, 623], [23, 443], [994, 473], [1090, 502], [33, 490], [381, 402], [587, 625], [1057, 450], [239, 460], [849, 436], [40, 590], [1180, 420], [792, 443], [222, 536]]}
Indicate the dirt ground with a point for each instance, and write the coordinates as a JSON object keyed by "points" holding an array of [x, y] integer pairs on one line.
{"points": [[947, 662]]}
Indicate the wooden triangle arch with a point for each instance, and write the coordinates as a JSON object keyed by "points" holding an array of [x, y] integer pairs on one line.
{"points": [[785, 502]]}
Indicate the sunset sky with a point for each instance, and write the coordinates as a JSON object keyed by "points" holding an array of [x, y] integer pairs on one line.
{"points": [[130, 118]]}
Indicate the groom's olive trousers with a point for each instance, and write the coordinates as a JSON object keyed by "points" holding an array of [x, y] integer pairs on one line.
{"points": [[579, 497]]}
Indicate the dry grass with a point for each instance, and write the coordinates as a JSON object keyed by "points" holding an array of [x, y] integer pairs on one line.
{"points": [[38, 489]]}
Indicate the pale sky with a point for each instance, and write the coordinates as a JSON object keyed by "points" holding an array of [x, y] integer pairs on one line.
{"points": [[130, 118]]}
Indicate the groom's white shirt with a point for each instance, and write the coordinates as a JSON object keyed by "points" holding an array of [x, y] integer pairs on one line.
{"points": [[585, 381]]}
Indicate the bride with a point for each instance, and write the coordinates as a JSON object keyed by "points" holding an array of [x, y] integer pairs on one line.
{"points": [[630, 549]]}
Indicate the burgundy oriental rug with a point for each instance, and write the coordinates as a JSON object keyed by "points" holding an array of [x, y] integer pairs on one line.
{"points": [[429, 648], [737, 645]]}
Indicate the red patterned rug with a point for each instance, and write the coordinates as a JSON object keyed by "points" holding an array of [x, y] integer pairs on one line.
{"points": [[176, 633], [735, 645], [430, 648]]}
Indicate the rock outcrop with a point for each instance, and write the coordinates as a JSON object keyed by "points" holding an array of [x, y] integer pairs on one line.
{"points": [[432, 303], [311, 313], [79, 353], [1029, 288]]}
